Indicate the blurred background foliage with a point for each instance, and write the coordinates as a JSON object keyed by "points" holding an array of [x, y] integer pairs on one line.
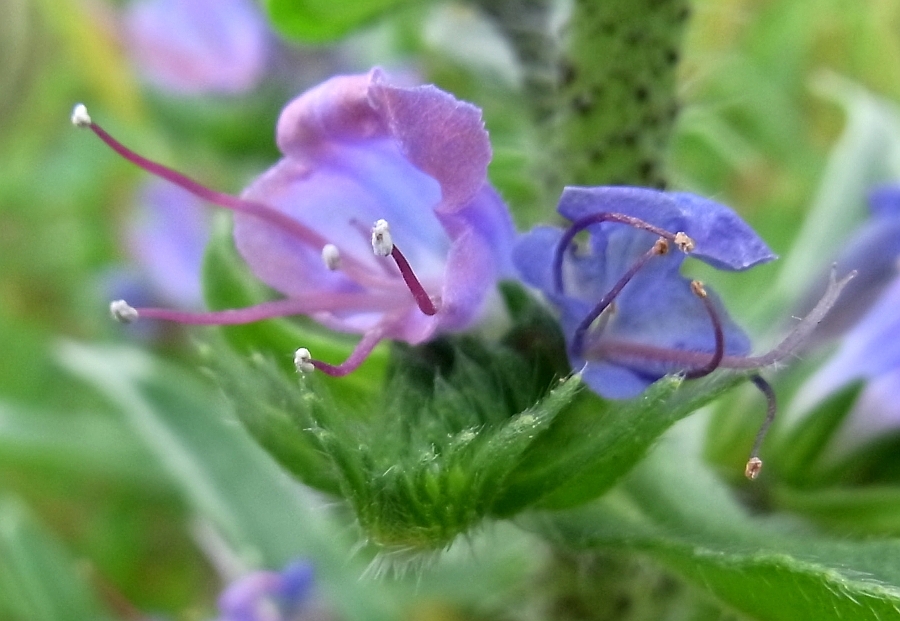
{"points": [[787, 106]]}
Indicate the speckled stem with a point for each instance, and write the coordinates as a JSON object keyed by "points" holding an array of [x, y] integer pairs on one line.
{"points": [[617, 92]]}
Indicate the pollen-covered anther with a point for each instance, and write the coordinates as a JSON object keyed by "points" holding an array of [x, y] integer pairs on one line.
{"points": [[80, 116], [331, 257], [382, 242], [661, 246], [698, 289], [684, 243], [303, 361], [123, 312], [754, 465]]}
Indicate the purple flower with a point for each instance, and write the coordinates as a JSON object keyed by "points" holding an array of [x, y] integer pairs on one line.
{"points": [[196, 47], [270, 595], [167, 238], [867, 320], [628, 315], [358, 151]]}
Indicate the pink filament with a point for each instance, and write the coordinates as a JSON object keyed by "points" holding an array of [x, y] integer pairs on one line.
{"points": [[356, 357]]}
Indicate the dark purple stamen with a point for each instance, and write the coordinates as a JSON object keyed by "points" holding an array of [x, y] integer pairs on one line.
{"points": [[305, 363], [716, 360], [754, 464], [659, 248], [423, 300], [679, 239]]}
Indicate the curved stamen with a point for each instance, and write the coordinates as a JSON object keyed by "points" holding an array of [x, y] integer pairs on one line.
{"points": [[305, 363], [659, 248], [285, 223], [754, 464], [698, 290], [680, 239], [609, 348], [383, 246], [313, 303]]}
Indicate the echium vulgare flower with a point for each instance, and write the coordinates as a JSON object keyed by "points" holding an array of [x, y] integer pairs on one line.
{"points": [[368, 168], [270, 596], [628, 315], [867, 322]]}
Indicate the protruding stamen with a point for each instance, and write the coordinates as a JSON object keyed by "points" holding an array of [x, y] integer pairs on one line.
{"points": [[684, 243], [679, 239], [659, 248], [382, 242], [303, 361], [719, 353], [122, 312], [754, 464], [383, 246], [80, 116], [331, 257]]}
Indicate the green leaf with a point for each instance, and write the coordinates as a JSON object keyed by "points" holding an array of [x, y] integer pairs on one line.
{"points": [[38, 579], [674, 510], [221, 472], [595, 442], [320, 21]]}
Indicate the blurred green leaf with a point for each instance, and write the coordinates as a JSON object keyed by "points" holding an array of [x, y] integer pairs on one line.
{"points": [[674, 510], [222, 473], [38, 579], [320, 21]]}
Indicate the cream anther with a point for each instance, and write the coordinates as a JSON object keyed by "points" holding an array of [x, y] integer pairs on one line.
{"points": [[331, 257], [382, 243], [303, 361], [122, 312], [80, 116]]}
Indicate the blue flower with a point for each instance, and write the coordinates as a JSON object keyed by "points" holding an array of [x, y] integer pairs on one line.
{"points": [[368, 168], [649, 321], [270, 595], [867, 322]]}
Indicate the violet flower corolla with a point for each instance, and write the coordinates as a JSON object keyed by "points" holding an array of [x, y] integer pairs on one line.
{"points": [[271, 596], [867, 322], [196, 47], [357, 151], [628, 315]]}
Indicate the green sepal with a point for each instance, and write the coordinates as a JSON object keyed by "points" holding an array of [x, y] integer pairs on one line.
{"points": [[321, 21]]}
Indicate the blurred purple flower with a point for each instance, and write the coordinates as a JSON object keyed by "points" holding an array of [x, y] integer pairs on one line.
{"points": [[867, 321], [655, 324], [359, 150], [196, 47], [270, 596], [167, 238]]}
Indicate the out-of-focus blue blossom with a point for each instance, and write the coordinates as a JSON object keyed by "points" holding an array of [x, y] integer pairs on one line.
{"points": [[867, 320], [167, 239], [196, 47], [270, 596], [655, 325]]}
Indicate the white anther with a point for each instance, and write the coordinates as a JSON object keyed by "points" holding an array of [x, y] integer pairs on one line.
{"points": [[685, 244], [382, 244], [303, 361], [331, 256], [122, 312], [80, 116]]}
